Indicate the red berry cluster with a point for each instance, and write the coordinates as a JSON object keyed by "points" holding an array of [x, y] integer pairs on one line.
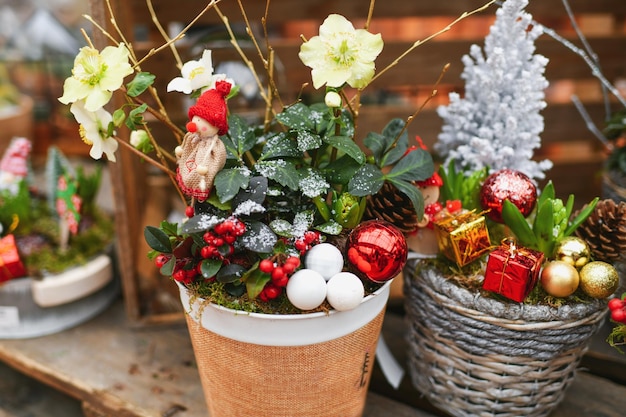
{"points": [[279, 271], [221, 239], [310, 238], [618, 310], [184, 271]]}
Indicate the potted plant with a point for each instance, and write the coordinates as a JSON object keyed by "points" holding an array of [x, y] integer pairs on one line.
{"points": [[56, 265], [500, 316]]}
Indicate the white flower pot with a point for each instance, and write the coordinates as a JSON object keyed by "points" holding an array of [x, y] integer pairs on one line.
{"points": [[258, 365]]}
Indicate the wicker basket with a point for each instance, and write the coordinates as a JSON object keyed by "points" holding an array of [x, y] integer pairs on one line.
{"points": [[263, 365], [476, 356]]}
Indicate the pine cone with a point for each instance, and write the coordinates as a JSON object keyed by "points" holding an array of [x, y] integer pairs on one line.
{"points": [[605, 231], [393, 206]]}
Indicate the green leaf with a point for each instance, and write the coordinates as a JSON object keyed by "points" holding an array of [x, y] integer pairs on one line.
{"points": [[330, 228], [139, 84], [377, 144], [347, 146], [228, 182], [367, 180], [517, 223], [255, 282], [230, 273], [280, 146], [255, 191], [569, 206], [282, 227], [547, 193], [413, 193], [241, 134], [135, 117], [322, 208], [200, 223], [307, 140], [415, 166], [297, 116], [157, 239], [341, 170], [282, 171], [210, 267], [582, 216], [259, 237], [391, 132], [168, 269], [544, 227]]}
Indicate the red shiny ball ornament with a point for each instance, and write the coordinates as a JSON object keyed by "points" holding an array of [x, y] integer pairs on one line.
{"points": [[507, 184], [376, 250]]}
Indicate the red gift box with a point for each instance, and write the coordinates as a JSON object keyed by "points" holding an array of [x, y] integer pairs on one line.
{"points": [[11, 265], [512, 271]]}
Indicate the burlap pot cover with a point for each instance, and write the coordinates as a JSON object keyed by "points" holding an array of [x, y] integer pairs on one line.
{"points": [[476, 356], [303, 365]]}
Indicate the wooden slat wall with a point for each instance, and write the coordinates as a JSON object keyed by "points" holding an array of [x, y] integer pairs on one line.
{"points": [[576, 153]]}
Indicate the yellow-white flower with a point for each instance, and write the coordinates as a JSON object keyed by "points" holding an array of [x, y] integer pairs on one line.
{"points": [[341, 54], [94, 130], [96, 75], [196, 75]]}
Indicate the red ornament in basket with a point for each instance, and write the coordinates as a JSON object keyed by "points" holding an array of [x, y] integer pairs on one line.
{"points": [[512, 271], [11, 265]]}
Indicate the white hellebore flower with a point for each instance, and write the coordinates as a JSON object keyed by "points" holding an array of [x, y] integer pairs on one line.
{"points": [[332, 99], [196, 75], [341, 54], [93, 130], [96, 75]]}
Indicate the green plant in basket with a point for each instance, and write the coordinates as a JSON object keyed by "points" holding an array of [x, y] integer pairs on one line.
{"points": [[552, 220]]}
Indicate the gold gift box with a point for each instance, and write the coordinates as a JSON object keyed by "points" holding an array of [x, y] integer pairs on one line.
{"points": [[462, 237]]}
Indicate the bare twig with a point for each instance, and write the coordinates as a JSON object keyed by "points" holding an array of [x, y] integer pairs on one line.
{"points": [[589, 123]]}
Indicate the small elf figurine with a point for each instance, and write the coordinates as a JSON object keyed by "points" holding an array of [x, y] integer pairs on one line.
{"points": [[202, 154], [14, 164]]}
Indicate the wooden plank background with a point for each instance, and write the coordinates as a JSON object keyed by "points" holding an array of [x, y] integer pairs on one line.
{"points": [[578, 156]]}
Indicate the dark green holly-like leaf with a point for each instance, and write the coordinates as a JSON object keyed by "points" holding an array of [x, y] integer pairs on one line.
{"points": [[341, 170], [228, 182], [259, 237], [282, 227], [330, 228], [393, 153], [255, 192], [367, 180], [210, 267], [139, 84], [297, 116], [376, 143], [346, 145], [282, 171], [414, 195], [241, 134], [307, 140], [280, 146], [415, 166], [255, 281], [157, 239], [168, 269], [200, 223], [230, 273]]}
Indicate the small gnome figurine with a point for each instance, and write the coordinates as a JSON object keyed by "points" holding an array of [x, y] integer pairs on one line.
{"points": [[424, 241], [14, 165], [202, 154]]}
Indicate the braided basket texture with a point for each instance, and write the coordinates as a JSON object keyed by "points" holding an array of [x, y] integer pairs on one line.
{"points": [[472, 355]]}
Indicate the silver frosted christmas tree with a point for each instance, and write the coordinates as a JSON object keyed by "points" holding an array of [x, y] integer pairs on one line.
{"points": [[498, 122]]}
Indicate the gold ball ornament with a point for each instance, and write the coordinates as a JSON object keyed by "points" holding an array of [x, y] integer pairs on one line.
{"points": [[572, 250], [559, 279], [599, 279]]}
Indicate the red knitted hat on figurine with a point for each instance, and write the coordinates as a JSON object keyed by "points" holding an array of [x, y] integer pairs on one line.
{"points": [[211, 106]]}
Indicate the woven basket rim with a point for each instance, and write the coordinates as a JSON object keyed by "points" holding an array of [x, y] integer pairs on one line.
{"points": [[509, 314]]}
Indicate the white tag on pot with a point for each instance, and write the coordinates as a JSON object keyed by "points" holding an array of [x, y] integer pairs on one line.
{"points": [[388, 364], [9, 316]]}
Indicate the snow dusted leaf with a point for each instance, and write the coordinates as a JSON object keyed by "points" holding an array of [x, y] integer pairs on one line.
{"points": [[312, 183], [297, 117], [346, 145], [280, 146], [302, 222], [241, 134], [200, 223], [330, 228], [255, 192], [341, 170], [229, 181], [282, 228], [367, 180], [279, 170], [259, 237], [307, 140]]}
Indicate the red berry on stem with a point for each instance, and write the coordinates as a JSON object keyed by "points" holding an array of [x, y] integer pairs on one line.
{"points": [[230, 239], [615, 303], [619, 315], [293, 260], [278, 272], [266, 266], [189, 211], [161, 260], [289, 267], [281, 282]]}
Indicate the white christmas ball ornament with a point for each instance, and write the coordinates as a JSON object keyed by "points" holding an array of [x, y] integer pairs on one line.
{"points": [[324, 258], [306, 289], [344, 291]]}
